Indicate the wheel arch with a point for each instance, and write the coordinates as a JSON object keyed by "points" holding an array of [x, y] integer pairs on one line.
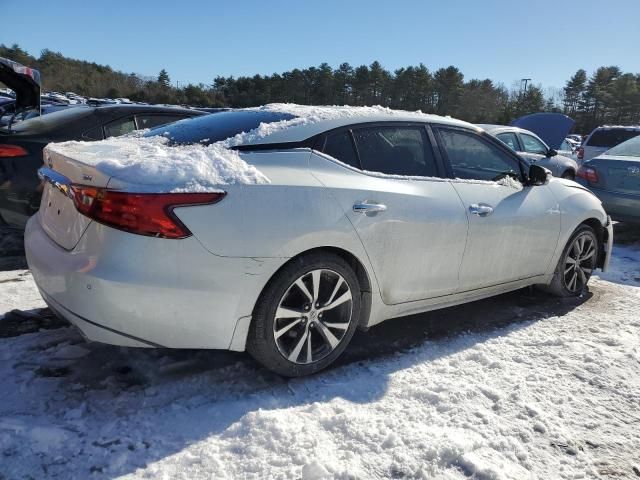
{"points": [[363, 276], [602, 234]]}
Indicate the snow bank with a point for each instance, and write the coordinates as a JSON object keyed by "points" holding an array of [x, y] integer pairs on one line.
{"points": [[551, 391]]}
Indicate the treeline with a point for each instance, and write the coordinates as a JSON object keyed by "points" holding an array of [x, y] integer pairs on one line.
{"points": [[607, 96]]}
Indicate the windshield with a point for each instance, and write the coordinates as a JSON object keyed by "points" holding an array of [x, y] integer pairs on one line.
{"points": [[215, 127], [630, 148]]}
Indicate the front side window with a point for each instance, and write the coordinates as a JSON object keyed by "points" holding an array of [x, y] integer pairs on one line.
{"points": [[340, 147], [532, 144], [473, 158], [402, 151], [510, 139], [119, 127]]}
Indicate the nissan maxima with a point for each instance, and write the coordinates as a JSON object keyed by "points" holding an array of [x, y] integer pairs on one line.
{"points": [[281, 230]]}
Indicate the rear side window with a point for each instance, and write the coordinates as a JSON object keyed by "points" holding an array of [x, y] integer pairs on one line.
{"points": [[152, 121], [402, 151], [473, 158], [340, 147], [119, 127], [611, 137], [215, 127], [510, 139], [94, 134]]}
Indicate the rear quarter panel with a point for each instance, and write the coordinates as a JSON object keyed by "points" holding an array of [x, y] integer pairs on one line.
{"points": [[292, 214]]}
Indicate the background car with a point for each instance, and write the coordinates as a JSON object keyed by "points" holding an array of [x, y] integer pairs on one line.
{"points": [[303, 233], [602, 139], [21, 146], [531, 147], [614, 177], [568, 149]]}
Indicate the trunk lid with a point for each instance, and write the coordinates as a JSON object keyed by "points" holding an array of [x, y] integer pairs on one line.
{"points": [[58, 214], [24, 81], [617, 174], [552, 128]]}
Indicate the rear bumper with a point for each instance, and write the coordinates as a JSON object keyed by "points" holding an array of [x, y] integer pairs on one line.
{"points": [[130, 290], [624, 207]]}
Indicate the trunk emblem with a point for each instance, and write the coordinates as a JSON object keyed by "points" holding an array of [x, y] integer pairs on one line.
{"points": [[86, 177], [634, 171]]}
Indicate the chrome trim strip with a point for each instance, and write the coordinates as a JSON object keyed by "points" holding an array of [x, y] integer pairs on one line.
{"points": [[59, 181]]}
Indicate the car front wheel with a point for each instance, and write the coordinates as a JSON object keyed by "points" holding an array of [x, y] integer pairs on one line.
{"points": [[306, 316], [576, 264]]}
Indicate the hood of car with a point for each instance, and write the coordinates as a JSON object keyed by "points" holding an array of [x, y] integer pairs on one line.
{"points": [[552, 128], [24, 81]]}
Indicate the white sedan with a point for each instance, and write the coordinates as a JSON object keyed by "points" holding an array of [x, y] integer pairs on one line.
{"points": [[280, 230]]}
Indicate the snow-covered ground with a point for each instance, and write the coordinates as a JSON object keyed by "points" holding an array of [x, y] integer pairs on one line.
{"points": [[520, 386]]}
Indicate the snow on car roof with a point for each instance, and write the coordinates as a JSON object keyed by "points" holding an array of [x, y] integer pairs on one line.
{"points": [[312, 120], [153, 162]]}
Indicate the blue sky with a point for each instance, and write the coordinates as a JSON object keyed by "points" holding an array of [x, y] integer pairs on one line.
{"points": [[546, 40]]}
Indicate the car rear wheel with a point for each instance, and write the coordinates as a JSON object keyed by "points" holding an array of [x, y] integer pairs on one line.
{"points": [[306, 316], [576, 264], [569, 175]]}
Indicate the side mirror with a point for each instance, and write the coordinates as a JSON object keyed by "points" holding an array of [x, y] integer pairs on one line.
{"points": [[551, 153], [538, 175]]}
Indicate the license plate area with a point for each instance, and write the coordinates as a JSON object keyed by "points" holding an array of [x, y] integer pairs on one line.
{"points": [[60, 219]]}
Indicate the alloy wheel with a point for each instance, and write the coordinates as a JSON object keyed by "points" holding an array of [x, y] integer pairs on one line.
{"points": [[579, 262], [313, 316]]}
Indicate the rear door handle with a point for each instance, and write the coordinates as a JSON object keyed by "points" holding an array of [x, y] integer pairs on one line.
{"points": [[481, 209], [369, 208]]}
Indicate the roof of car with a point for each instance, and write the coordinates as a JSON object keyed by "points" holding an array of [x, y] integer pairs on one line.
{"points": [[487, 127], [617, 127], [312, 121], [55, 119], [137, 108]]}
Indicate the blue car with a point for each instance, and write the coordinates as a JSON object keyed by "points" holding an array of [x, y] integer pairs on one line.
{"points": [[614, 177]]}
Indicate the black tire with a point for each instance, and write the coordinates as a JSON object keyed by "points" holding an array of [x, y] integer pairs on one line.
{"points": [[569, 175], [262, 344], [562, 283]]}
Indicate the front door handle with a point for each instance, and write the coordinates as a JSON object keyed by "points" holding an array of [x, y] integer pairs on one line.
{"points": [[369, 208], [481, 209]]}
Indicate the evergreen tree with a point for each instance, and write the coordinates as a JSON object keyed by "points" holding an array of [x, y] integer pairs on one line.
{"points": [[163, 78], [448, 90], [574, 92]]}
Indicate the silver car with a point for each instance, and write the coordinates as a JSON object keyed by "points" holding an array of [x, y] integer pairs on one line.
{"points": [[531, 147], [364, 217]]}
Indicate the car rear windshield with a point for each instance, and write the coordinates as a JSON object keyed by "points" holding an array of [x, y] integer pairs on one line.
{"points": [[630, 148], [216, 126], [611, 137]]}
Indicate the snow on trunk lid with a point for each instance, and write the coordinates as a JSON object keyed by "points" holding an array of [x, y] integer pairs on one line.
{"points": [[58, 215]]}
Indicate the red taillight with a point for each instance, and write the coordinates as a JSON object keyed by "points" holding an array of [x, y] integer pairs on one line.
{"points": [[148, 214], [588, 174], [12, 151], [580, 152]]}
